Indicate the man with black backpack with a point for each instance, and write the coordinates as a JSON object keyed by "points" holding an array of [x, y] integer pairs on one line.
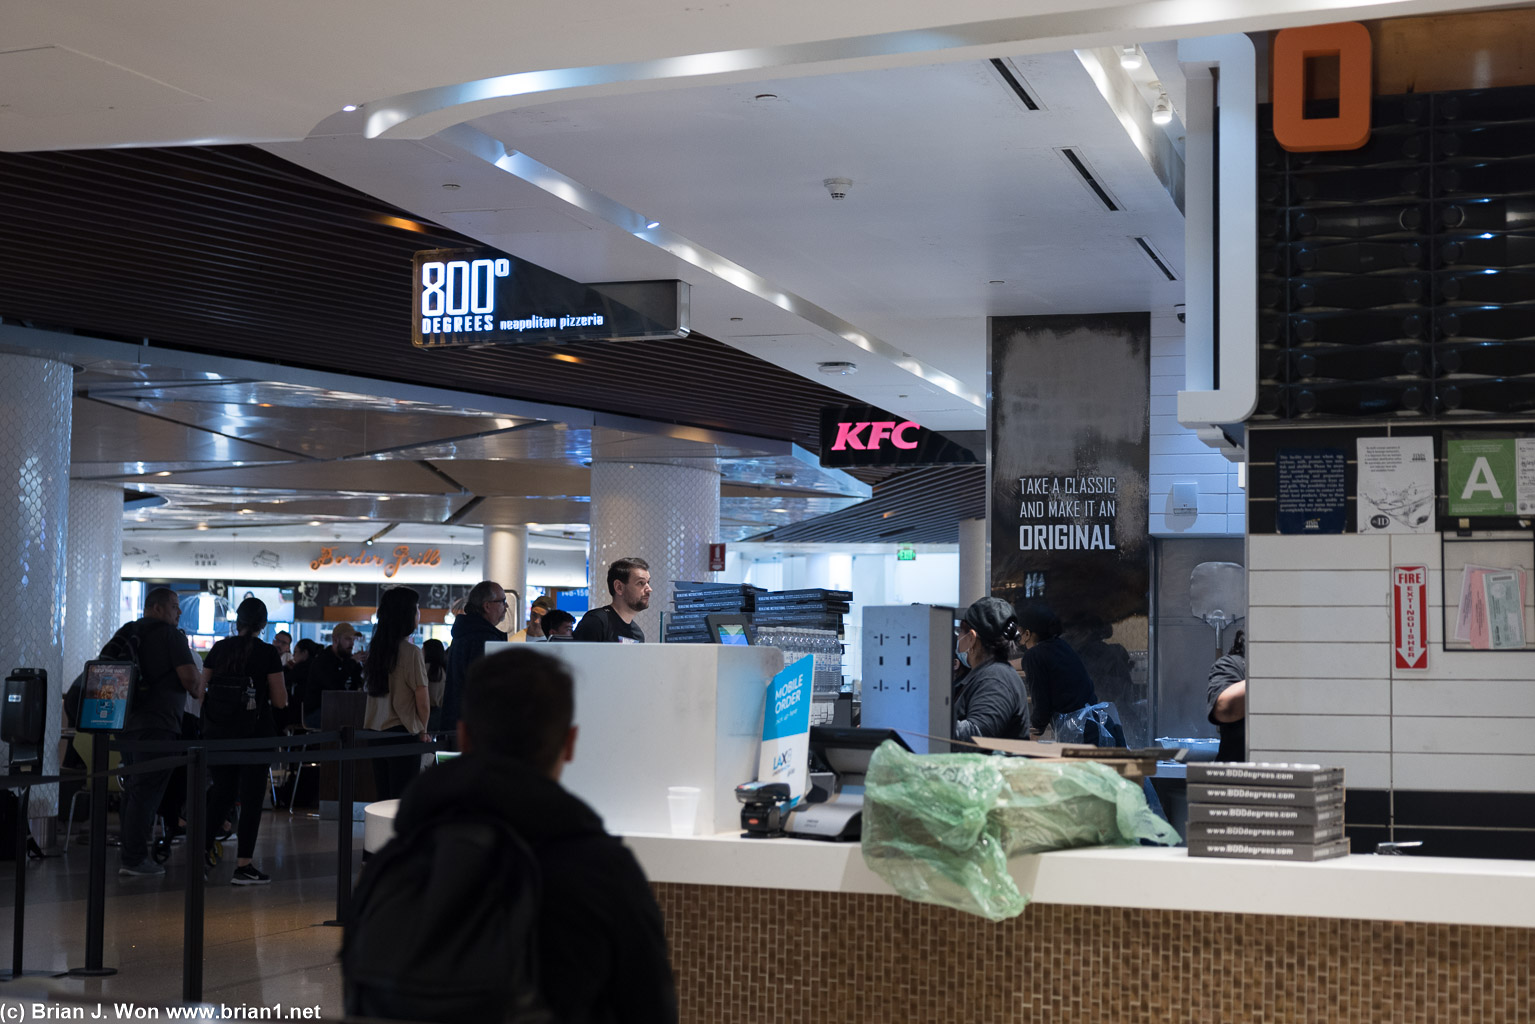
{"points": [[166, 673], [501, 897]]}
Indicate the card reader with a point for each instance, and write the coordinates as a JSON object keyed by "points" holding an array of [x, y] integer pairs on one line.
{"points": [[762, 810]]}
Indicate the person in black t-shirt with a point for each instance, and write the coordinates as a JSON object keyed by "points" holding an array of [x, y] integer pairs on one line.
{"points": [[169, 673], [629, 585], [246, 657], [1226, 696]]}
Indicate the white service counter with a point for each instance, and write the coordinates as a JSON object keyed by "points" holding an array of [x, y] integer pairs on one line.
{"points": [[653, 716], [1435, 890]]}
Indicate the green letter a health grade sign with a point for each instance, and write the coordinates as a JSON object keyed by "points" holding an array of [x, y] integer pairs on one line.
{"points": [[1482, 477]]}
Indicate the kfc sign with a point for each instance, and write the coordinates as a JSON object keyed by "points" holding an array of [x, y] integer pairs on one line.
{"points": [[861, 435], [848, 435]]}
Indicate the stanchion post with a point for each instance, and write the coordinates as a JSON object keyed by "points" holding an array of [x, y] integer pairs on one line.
{"points": [[23, 802], [345, 793], [96, 892], [196, 847]]}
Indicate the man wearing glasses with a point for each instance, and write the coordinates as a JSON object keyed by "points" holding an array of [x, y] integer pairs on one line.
{"points": [[483, 609]]}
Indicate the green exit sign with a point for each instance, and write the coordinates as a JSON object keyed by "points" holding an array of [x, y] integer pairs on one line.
{"points": [[905, 554]]}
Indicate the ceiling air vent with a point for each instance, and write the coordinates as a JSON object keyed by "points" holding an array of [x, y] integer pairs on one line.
{"points": [[1015, 83], [1155, 257], [1090, 178]]}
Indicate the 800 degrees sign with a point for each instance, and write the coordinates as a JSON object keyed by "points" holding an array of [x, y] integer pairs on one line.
{"points": [[459, 296], [482, 296]]}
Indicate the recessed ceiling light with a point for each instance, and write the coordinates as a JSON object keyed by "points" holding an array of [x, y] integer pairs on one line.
{"points": [[652, 225], [766, 97], [996, 282], [163, 472], [364, 518], [737, 319], [838, 367], [565, 357], [778, 510], [314, 522], [349, 107], [202, 526], [247, 511], [452, 186]]}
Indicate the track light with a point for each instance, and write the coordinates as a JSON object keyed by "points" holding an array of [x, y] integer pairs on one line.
{"points": [[1162, 113], [1131, 58]]}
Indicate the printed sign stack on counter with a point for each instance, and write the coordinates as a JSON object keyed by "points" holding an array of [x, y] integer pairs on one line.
{"points": [[1266, 811]]}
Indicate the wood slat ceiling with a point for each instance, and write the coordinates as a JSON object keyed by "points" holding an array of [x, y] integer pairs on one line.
{"points": [[230, 250], [921, 506]]}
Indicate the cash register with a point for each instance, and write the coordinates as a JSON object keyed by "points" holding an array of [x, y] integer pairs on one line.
{"points": [[836, 813]]}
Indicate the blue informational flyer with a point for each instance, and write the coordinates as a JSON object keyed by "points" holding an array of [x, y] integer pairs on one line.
{"points": [[786, 728], [104, 701]]}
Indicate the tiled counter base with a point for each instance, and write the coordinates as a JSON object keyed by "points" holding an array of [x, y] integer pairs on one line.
{"points": [[791, 955]]}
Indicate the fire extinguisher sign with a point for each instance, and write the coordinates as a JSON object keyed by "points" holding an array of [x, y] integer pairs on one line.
{"points": [[1409, 608]]}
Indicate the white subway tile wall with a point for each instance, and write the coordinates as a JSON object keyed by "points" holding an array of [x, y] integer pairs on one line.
{"points": [[1178, 455], [1322, 684]]}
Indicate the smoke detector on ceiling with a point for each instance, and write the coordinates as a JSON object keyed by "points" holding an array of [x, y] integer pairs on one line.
{"points": [[838, 187]]}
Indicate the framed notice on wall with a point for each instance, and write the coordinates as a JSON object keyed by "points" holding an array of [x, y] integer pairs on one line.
{"points": [[1311, 490]]}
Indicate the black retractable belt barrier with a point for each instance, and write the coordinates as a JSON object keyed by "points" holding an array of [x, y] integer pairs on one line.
{"points": [[196, 845], [96, 895]]}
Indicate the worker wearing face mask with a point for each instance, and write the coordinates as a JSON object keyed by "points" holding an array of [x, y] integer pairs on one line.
{"points": [[989, 700]]}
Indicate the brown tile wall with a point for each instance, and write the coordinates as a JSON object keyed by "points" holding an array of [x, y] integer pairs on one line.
{"points": [[789, 956]]}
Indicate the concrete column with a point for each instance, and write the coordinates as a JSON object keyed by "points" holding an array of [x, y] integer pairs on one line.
{"points": [[974, 574], [92, 573], [34, 465], [506, 562], [666, 514]]}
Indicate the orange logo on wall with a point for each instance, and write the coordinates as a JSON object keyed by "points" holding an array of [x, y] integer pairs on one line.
{"points": [[1350, 42], [401, 557]]}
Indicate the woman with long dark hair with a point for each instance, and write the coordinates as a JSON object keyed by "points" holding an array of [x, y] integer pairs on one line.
{"points": [[244, 683], [436, 657], [395, 679], [1057, 681]]}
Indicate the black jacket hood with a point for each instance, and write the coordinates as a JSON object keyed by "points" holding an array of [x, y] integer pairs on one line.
{"points": [[539, 808]]}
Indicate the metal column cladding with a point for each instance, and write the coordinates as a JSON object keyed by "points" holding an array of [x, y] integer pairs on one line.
{"points": [[1070, 448]]}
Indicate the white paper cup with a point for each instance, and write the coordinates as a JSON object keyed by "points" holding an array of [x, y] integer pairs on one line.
{"points": [[684, 807]]}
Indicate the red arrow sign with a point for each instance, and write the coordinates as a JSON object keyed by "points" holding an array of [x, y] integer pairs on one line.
{"points": [[1409, 606]]}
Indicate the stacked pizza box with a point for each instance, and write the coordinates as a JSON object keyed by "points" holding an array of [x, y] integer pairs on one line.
{"points": [[1265, 811]]}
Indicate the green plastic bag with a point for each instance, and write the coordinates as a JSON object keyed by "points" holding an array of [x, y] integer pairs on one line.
{"points": [[940, 827]]}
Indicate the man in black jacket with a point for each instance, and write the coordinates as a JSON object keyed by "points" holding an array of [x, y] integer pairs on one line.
{"points": [[332, 669], [483, 609], [602, 945]]}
